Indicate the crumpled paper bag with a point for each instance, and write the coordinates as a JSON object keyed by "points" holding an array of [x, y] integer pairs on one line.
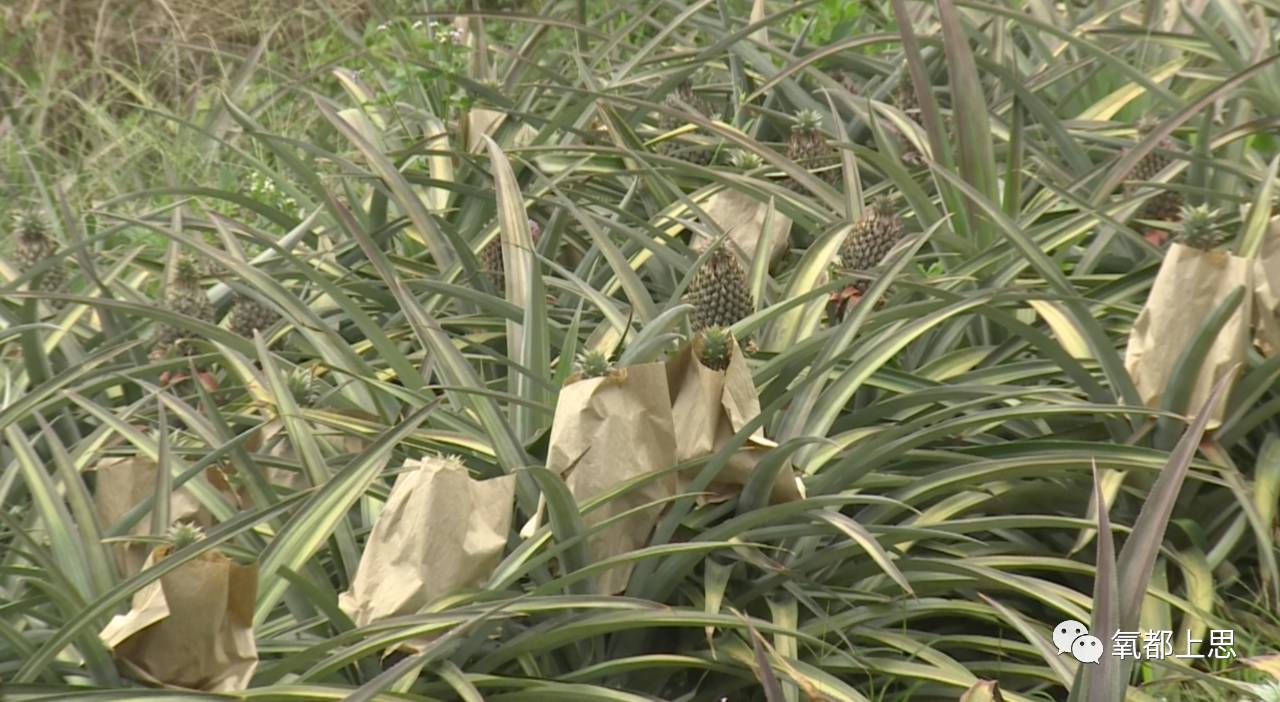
{"points": [[440, 532], [710, 406], [1190, 284], [742, 218], [1266, 291], [608, 431], [192, 628], [124, 483]]}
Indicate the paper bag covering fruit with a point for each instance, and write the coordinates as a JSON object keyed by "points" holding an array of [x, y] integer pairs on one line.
{"points": [[1191, 283], [441, 532], [712, 398], [742, 218], [192, 628], [124, 483], [1266, 303], [611, 430]]}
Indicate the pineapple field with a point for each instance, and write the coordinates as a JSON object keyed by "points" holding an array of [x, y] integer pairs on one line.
{"points": [[687, 350]]}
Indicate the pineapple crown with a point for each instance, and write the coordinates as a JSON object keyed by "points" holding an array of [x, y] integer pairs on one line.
{"points": [[31, 229], [594, 364], [1146, 124], [882, 204], [184, 534], [745, 160], [187, 272], [807, 122], [717, 347], [1200, 228], [303, 386]]}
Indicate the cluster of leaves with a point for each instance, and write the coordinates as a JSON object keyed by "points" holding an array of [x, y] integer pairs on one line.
{"points": [[957, 433]]}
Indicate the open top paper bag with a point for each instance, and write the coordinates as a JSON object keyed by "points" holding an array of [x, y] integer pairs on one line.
{"points": [[608, 431], [440, 532], [1266, 303], [192, 628], [1190, 285], [124, 483], [708, 407]]}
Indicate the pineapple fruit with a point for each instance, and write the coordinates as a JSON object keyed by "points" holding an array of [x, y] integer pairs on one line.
{"points": [[716, 348], [719, 292], [1199, 229], [684, 99], [875, 234], [34, 246], [186, 296], [1166, 205], [491, 256], [808, 147], [247, 315], [904, 98]]}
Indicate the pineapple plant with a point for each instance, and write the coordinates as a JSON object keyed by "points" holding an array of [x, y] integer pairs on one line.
{"points": [[1166, 205], [808, 147], [491, 256], [716, 348], [719, 292], [248, 315], [185, 296], [1199, 229], [34, 246]]}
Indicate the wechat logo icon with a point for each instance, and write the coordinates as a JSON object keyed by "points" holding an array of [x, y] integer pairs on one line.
{"points": [[1073, 637]]}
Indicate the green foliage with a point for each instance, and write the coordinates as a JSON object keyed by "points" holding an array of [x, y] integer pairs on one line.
{"points": [[955, 429]]}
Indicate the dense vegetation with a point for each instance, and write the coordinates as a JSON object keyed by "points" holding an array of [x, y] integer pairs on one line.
{"points": [[283, 255]]}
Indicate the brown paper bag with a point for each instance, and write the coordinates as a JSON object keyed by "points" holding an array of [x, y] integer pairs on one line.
{"points": [[1190, 284], [124, 483], [1266, 291], [441, 532], [609, 431], [742, 218], [710, 406], [192, 628]]}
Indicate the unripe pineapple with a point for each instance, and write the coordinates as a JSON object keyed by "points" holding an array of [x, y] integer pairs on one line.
{"points": [[1200, 229], [717, 348], [1166, 205], [808, 147], [873, 236], [594, 364], [684, 99], [186, 296], [34, 246], [719, 292], [491, 256], [303, 387], [904, 96], [247, 314]]}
